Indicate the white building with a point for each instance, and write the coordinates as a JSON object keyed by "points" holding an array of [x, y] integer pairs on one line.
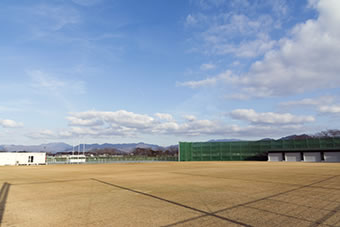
{"points": [[332, 156], [22, 158], [293, 156], [275, 157], [312, 156], [305, 155], [80, 158]]}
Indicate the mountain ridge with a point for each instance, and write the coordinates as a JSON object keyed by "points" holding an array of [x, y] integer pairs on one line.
{"points": [[63, 147], [123, 147]]}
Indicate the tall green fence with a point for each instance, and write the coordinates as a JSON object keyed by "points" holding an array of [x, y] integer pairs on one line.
{"points": [[249, 150]]}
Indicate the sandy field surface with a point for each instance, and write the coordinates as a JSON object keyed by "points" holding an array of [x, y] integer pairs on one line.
{"points": [[171, 194]]}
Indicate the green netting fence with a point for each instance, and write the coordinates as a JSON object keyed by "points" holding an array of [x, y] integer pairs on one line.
{"points": [[111, 159], [249, 150]]}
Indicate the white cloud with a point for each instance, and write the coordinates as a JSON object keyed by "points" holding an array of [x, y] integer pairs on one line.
{"points": [[210, 81], [10, 124], [323, 104], [166, 127], [164, 116], [315, 102], [332, 109], [252, 48], [9, 109], [100, 132], [54, 18], [242, 24], [243, 30], [120, 117], [280, 7], [252, 116], [246, 49], [306, 61], [60, 88], [208, 4], [237, 96], [44, 81], [42, 134], [271, 131], [201, 83], [122, 124], [84, 122], [190, 117], [191, 20], [207, 66], [237, 34], [86, 2]]}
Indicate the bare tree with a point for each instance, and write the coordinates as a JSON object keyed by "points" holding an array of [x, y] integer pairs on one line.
{"points": [[328, 133]]}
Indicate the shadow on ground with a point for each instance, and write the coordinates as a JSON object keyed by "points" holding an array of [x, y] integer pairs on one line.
{"points": [[3, 197]]}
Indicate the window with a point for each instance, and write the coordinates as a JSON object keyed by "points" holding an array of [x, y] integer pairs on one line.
{"points": [[30, 159]]}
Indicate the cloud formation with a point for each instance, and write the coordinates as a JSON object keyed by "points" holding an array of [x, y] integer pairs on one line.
{"points": [[315, 102], [10, 124], [210, 81], [305, 61], [121, 118], [207, 66], [86, 2], [46, 82], [332, 109], [323, 104], [253, 117], [242, 31], [164, 116], [52, 18], [122, 123]]}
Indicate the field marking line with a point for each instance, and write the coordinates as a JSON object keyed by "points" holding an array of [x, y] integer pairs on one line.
{"points": [[3, 198], [326, 217], [262, 181], [171, 202], [301, 205], [283, 215], [254, 201], [277, 194]]}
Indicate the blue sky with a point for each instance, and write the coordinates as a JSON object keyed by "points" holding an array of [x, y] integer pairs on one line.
{"points": [[166, 71]]}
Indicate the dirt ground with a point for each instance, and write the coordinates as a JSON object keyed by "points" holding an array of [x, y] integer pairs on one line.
{"points": [[171, 194]]}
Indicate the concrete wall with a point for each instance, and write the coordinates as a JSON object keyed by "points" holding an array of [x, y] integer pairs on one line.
{"points": [[312, 156], [293, 157], [275, 157], [11, 158], [332, 156]]}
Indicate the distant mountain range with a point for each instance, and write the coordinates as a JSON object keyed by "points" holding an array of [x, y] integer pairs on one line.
{"points": [[224, 140], [63, 147], [123, 147], [49, 147], [302, 136]]}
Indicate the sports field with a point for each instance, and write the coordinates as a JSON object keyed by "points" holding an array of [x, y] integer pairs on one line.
{"points": [[171, 194]]}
